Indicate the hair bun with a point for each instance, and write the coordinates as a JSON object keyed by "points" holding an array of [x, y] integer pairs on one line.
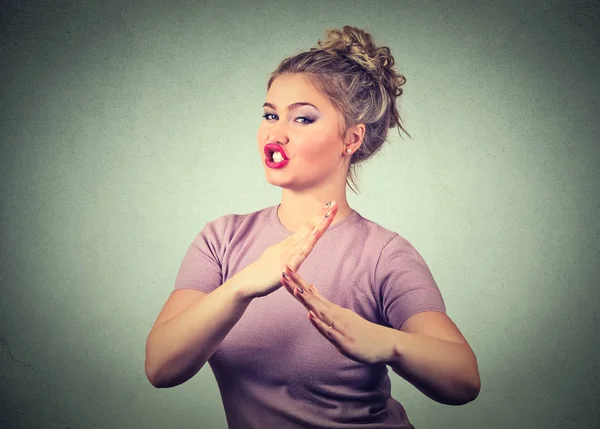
{"points": [[358, 46]]}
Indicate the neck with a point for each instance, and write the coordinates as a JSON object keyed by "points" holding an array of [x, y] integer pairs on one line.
{"points": [[297, 209]]}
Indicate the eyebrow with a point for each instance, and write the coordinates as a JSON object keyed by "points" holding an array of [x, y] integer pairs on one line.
{"points": [[291, 106]]}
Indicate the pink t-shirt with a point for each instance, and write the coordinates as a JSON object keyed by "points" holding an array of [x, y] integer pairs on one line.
{"points": [[274, 369]]}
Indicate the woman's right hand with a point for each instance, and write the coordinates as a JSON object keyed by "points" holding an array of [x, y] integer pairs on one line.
{"points": [[263, 276]]}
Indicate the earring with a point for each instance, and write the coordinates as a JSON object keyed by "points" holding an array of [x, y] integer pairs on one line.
{"points": [[348, 151]]}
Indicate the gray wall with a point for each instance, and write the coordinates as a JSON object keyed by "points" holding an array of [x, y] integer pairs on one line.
{"points": [[125, 128]]}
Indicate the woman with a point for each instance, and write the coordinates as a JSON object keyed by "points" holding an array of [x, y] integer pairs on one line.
{"points": [[369, 297]]}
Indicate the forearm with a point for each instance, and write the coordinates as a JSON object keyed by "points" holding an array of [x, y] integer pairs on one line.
{"points": [[445, 371], [178, 348]]}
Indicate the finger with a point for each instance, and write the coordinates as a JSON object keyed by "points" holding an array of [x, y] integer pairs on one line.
{"points": [[308, 227], [319, 221], [306, 240], [286, 284], [292, 289], [298, 280], [310, 301], [336, 338], [329, 333], [311, 291], [300, 251], [325, 221], [299, 236]]}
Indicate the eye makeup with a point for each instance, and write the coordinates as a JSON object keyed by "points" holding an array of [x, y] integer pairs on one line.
{"points": [[307, 120]]}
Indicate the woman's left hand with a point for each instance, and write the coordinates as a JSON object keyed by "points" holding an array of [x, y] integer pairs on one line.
{"points": [[354, 336]]}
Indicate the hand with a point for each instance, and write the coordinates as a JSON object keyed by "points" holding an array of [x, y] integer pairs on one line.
{"points": [[264, 275], [355, 337]]}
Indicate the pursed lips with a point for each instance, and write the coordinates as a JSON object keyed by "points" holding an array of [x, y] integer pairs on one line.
{"points": [[272, 148]]}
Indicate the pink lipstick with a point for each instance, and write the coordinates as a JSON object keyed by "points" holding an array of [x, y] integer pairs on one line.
{"points": [[269, 150]]}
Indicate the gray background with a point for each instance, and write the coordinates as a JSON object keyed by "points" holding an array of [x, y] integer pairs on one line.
{"points": [[125, 127]]}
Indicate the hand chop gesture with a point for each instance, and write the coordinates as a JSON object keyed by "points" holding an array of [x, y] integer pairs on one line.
{"points": [[263, 276], [355, 337]]}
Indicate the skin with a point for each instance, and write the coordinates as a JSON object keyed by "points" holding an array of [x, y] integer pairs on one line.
{"points": [[318, 166], [428, 350]]}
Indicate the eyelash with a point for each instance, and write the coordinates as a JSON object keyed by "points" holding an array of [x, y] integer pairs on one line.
{"points": [[308, 120]]}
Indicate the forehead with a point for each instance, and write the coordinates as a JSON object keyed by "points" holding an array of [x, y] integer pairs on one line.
{"points": [[288, 89]]}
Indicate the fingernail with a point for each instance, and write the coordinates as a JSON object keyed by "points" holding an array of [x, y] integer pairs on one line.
{"points": [[327, 205], [328, 214], [299, 289], [285, 275]]}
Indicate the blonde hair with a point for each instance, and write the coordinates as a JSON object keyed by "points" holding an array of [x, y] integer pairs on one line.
{"points": [[360, 81]]}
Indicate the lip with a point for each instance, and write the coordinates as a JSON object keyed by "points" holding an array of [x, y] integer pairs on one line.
{"points": [[272, 164], [272, 147]]}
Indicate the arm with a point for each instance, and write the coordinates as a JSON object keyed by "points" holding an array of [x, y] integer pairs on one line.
{"points": [[186, 335], [430, 352], [193, 324]]}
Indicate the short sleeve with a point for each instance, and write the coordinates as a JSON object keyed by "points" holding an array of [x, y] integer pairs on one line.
{"points": [[201, 265], [406, 284]]}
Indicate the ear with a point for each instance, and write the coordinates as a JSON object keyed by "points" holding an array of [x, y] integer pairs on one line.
{"points": [[355, 136]]}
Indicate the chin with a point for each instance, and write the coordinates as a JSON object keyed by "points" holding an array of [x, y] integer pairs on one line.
{"points": [[278, 183]]}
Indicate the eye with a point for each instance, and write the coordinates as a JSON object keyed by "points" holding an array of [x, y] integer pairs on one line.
{"points": [[306, 120]]}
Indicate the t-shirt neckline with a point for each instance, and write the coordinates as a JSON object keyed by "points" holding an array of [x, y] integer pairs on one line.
{"points": [[279, 226]]}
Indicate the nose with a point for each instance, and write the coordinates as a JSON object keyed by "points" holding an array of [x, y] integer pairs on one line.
{"points": [[277, 134]]}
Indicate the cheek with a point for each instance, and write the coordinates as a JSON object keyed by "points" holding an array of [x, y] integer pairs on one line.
{"points": [[261, 139], [260, 134], [320, 145], [317, 153]]}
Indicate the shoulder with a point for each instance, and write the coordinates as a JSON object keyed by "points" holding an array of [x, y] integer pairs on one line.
{"points": [[388, 242], [387, 252], [398, 261], [371, 232], [228, 224]]}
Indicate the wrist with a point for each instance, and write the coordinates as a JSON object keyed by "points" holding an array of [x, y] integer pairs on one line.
{"points": [[392, 350], [240, 289]]}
